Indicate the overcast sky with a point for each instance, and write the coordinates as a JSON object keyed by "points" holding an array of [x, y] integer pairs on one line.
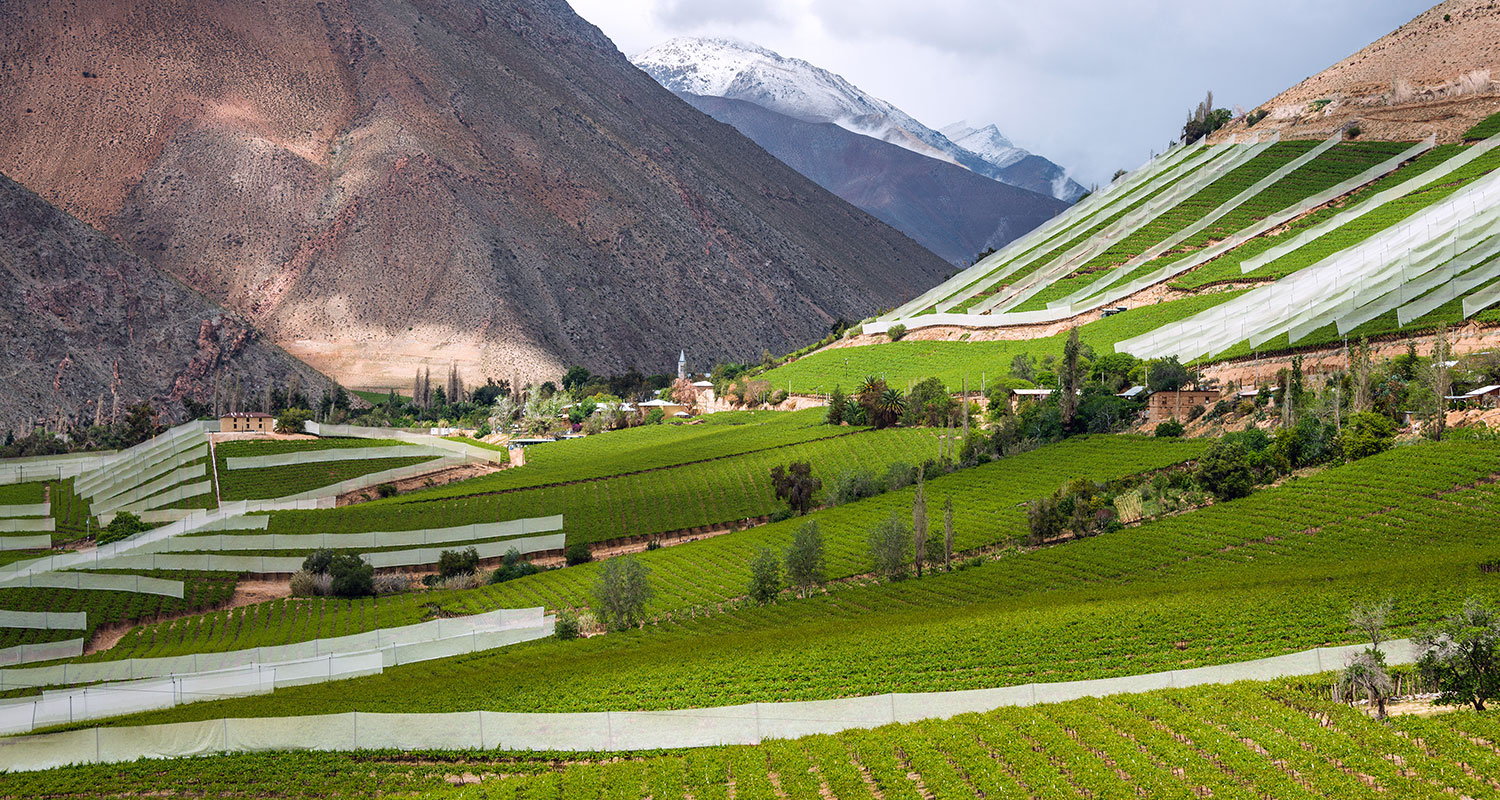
{"points": [[1095, 86]]}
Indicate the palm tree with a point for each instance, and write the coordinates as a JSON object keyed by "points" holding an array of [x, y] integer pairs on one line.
{"points": [[890, 405]]}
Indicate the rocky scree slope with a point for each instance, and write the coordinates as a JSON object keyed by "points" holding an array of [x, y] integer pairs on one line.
{"points": [[86, 326], [382, 183]]}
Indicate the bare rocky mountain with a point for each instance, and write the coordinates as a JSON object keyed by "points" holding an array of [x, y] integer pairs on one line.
{"points": [[87, 327], [949, 210], [1435, 74], [378, 184]]}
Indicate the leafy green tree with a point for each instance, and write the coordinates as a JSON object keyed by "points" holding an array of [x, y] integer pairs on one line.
{"points": [[890, 547], [622, 591], [576, 377], [1168, 375], [1366, 434], [577, 553], [804, 558], [1460, 655], [124, 525], [796, 485], [765, 577], [352, 576], [1225, 471], [1170, 429], [452, 563], [292, 420]]}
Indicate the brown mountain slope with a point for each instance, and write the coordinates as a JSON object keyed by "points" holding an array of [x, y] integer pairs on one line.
{"points": [[82, 320], [1432, 75], [379, 183]]}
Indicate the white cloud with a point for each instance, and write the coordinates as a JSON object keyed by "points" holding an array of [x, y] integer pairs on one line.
{"points": [[1094, 85]]}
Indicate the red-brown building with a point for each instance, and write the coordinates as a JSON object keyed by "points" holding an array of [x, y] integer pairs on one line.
{"points": [[1177, 405]]}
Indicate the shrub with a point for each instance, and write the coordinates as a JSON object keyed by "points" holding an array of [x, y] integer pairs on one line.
{"points": [[392, 583], [352, 577], [1367, 434], [1195, 413], [318, 562], [1225, 471], [124, 525], [1255, 116], [654, 417], [513, 566], [577, 553], [304, 584], [566, 627], [779, 398], [1170, 429], [386, 490], [896, 332], [855, 484], [1354, 131], [458, 562], [796, 485]]}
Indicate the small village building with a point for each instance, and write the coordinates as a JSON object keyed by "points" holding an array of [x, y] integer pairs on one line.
{"points": [[247, 422], [668, 408], [1177, 405], [1483, 397], [705, 390], [1134, 393]]}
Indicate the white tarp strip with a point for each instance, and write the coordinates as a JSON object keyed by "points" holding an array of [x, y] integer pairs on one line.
{"points": [[42, 651], [45, 620], [1122, 229], [469, 451], [232, 514], [1374, 203], [145, 490], [39, 542], [1357, 272], [49, 468], [380, 639], [122, 479], [26, 510], [1079, 212], [170, 496], [318, 456], [1456, 285], [144, 455], [1482, 299], [344, 541], [281, 565], [27, 524], [93, 581], [1002, 265], [611, 731]]}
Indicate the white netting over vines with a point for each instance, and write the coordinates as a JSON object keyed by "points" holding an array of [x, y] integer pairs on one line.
{"points": [[344, 541], [339, 454]]}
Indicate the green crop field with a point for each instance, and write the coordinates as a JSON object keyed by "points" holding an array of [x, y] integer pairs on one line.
{"points": [[647, 447], [1282, 739], [717, 492], [1487, 127], [22, 493]]}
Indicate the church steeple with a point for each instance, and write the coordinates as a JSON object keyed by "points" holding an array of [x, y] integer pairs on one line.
{"points": [[682, 364]]}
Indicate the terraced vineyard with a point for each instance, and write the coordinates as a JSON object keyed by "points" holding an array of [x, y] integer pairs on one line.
{"points": [[269, 482], [1252, 578], [974, 361], [201, 591], [715, 492]]}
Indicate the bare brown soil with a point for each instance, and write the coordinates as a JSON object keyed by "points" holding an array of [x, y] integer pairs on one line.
{"points": [[443, 477], [1403, 86]]}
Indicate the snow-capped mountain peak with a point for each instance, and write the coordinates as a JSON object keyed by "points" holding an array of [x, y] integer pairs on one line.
{"points": [[719, 67]]}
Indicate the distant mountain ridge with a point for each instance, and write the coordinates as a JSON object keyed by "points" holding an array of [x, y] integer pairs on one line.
{"points": [[720, 67], [950, 210]]}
